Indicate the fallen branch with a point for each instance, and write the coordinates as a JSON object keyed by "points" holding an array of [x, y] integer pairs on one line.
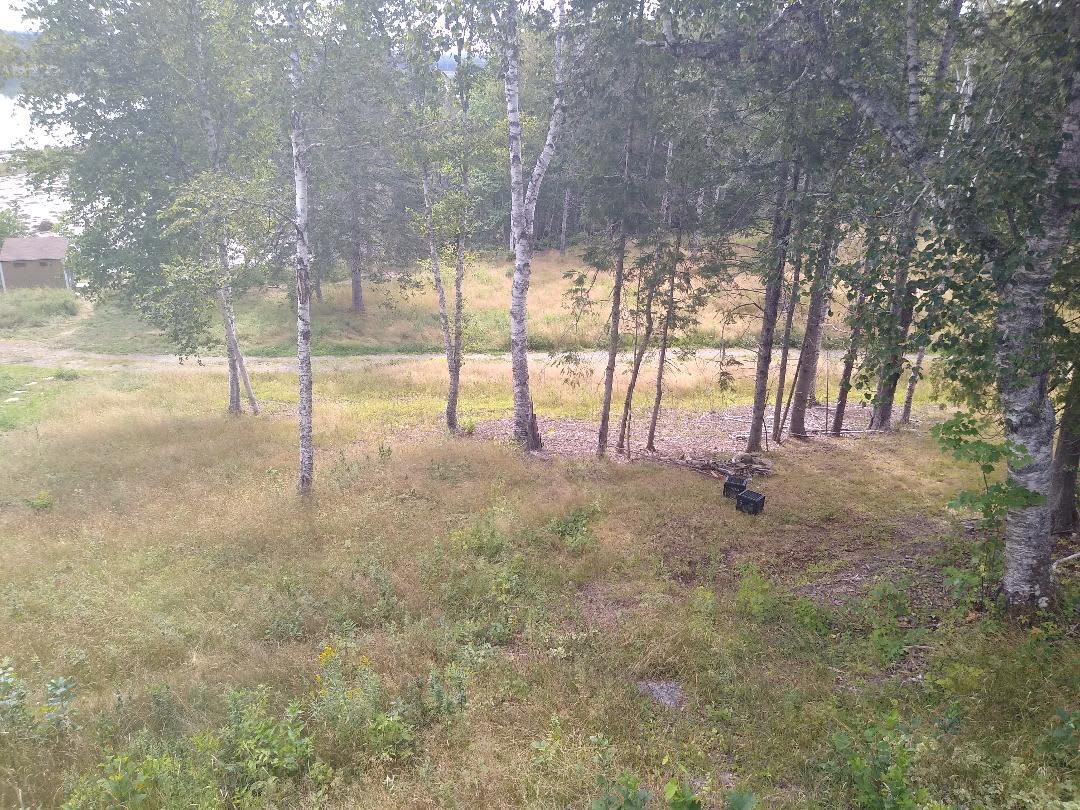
{"points": [[1063, 560]]}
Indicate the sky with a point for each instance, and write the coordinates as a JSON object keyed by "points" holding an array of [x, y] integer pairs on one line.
{"points": [[11, 15]]}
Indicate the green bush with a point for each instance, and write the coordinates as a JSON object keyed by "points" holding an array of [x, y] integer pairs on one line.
{"points": [[153, 779], [258, 750], [625, 793], [255, 758], [877, 768], [20, 720], [351, 716], [574, 529], [41, 502]]}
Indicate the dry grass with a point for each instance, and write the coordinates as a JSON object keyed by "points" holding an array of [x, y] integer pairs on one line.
{"points": [[175, 552], [397, 318]]}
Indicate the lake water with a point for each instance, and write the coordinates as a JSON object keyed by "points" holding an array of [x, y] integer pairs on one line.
{"points": [[16, 132], [15, 127]]}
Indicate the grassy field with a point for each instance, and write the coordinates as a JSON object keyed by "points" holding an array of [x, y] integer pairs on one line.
{"points": [[450, 624], [396, 320]]}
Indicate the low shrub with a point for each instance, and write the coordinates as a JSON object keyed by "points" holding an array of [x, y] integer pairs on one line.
{"points": [[876, 768], [573, 529], [255, 758], [352, 715]]}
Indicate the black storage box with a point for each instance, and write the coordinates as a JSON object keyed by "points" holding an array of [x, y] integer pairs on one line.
{"points": [[752, 503], [734, 485]]}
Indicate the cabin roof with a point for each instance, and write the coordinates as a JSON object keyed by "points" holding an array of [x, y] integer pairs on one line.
{"points": [[31, 248]]}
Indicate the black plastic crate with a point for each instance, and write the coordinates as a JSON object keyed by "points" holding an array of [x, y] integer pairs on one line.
{"points": [[734, 485], [753, 503]]}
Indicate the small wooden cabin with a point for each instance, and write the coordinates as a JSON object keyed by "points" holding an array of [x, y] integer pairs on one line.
{"points": [[34, 261]]}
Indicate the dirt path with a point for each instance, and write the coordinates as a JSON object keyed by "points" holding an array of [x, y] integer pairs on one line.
{"points": [[35, 354]]}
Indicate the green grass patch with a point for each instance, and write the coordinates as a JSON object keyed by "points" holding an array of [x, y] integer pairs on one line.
{"points": [[27, 309], [25, 391]]}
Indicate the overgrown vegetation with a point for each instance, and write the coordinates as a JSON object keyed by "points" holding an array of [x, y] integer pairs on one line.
{"points": [[451, 624]]}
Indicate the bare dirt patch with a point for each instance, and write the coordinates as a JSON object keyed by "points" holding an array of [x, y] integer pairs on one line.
{"points": [[682, 437], [852, 571], [601, 608]]}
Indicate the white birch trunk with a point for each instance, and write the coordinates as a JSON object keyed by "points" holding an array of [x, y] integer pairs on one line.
{"points": [[440, 290], [237, 367], [1024, 390], [298, 141], [913, 381], [785, 349], [522, 216]]}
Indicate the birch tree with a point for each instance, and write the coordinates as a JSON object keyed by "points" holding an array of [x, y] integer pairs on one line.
{"points": [[296, 16], [523, 206], [152, 142]]}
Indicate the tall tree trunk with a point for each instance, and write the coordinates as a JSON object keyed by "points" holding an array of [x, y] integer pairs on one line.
{"points": [[246, 380], [1024, 389], [459, 293], [665, 331], [901, 310], [230, 354], [613, 341], [440, 290], [356, 274], [459, 302], [565, 220], [523, 213], [870, 260], [781, 229], [232, 348], [849, 365], [237, 368], [789, 317], [464, 89], [1066, 459], [298, 140], [913, 380], [815, 322], [616, 295], [238, 374], [635, 370]]}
